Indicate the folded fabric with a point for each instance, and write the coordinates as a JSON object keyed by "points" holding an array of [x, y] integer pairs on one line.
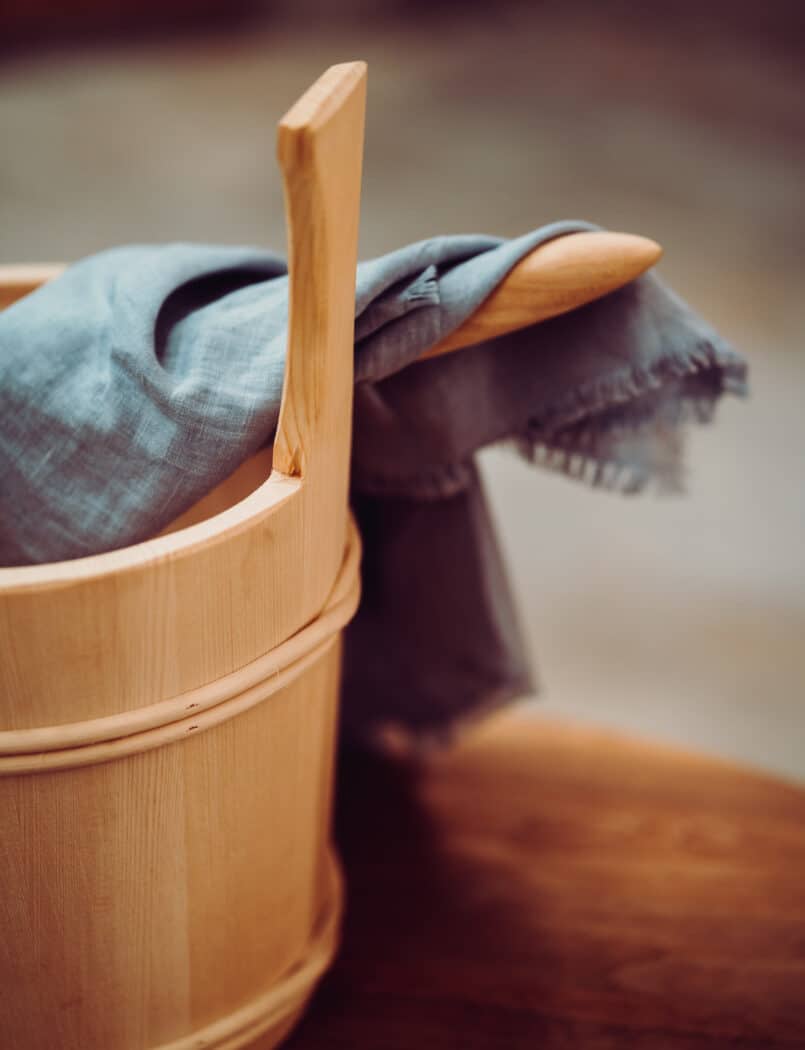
{"points": [[143, 376]]}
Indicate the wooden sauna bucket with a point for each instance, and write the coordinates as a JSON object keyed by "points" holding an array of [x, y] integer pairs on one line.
{"points": [[168, 711]]}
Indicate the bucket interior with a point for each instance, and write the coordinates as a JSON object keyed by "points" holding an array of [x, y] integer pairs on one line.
{"points": [[248, 477]]}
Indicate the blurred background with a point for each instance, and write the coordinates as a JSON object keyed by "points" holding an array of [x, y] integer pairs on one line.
{"points": [[682, 619]]}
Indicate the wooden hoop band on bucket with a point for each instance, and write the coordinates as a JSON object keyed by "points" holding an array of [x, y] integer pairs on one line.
{"points": [[101, 739]]}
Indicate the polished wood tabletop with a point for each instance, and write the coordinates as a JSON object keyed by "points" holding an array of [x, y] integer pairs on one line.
{"points": [[550, 886]]}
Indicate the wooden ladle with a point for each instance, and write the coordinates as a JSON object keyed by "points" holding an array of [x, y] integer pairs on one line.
{"points": [[552, 279]]}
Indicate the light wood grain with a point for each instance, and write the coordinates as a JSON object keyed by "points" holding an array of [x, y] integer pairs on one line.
{"points": [[554, 278], [97, 740], [549, 886], [168, 711]]}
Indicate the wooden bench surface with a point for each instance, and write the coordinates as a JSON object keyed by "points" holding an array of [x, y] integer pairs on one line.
{"points": [[546, 886]]}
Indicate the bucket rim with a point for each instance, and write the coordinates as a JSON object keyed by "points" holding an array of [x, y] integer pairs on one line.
{"points": [[89, 742]]}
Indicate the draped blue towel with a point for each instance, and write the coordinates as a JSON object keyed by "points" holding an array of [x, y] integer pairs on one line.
{"points": [[141, 378]]}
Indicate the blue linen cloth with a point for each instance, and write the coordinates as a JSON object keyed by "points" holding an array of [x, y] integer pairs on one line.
{"points": [[142, 377]]}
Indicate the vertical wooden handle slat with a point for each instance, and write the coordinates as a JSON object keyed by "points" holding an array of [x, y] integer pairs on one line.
{"points": [[320, 150]]}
